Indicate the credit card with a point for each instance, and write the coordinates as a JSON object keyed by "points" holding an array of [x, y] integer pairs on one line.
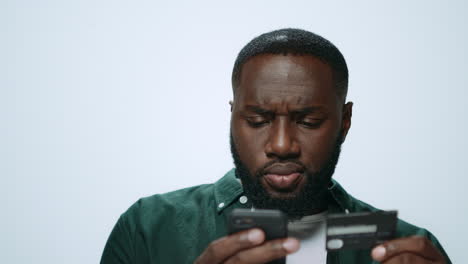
{"points": [[361, 230]]}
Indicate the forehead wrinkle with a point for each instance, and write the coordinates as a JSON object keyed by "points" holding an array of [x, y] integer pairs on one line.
{"points": [[283, 88], [271, 94], [276, 80], [290, 73], [295, 68], [288, 103], [273, 81]]}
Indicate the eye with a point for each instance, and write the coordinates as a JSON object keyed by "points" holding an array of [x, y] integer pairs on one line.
{"points": [[310, 122], [257, 121]]}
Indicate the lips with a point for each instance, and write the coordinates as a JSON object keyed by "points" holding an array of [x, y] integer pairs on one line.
{"points": [[283, 177]]}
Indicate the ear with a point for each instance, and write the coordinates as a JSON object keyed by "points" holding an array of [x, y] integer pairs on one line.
{"points": [[230, 103], [346, 122]]}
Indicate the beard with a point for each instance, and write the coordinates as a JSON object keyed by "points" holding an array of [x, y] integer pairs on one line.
{"points": [[313, 196]]}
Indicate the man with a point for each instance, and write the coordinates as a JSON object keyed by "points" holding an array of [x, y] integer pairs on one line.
{"points": [[289, 117]]}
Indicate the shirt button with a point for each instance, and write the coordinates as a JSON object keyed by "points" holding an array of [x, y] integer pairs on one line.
{"points": [[243, 199], [221, 205]]}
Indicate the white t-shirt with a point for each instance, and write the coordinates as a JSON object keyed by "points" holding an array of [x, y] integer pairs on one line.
{"points": [[310, 230]]}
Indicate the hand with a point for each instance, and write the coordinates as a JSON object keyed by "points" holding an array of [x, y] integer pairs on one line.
{"points": [[414, 250], [247, 247]]}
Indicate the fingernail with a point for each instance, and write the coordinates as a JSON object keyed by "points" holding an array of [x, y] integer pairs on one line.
{"points": [[255, 236], [378, 252], [291, 245]]}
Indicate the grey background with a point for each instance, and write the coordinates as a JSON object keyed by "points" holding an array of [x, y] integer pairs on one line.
{"points": [[103, 102]]}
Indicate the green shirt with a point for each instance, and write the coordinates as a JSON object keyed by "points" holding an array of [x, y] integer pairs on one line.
{"points": [[176, 227]]}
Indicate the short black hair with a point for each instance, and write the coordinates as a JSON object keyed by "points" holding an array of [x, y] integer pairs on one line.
{"points": [[298, 42]]}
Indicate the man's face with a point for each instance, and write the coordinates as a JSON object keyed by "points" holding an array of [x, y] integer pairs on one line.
{"points": [[287, 125]]}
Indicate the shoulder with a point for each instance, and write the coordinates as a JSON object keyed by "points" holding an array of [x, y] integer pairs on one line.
{"points": [[154, 221], [181, 203], [167, 204], [404, 228], [352, 204], [348, 202]]}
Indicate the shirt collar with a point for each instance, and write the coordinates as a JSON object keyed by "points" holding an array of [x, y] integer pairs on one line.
{"points": [[228, 189], [340, 200]]}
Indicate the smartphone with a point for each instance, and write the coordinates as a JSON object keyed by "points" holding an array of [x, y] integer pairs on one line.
{"points": [[273, 222]]}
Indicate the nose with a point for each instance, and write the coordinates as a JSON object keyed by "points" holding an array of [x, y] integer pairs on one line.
{"points": [[281, 142]]}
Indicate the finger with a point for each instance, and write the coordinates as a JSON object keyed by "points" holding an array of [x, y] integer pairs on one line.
{"points": [[223, 248], [415, 244], [266, 252]]}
